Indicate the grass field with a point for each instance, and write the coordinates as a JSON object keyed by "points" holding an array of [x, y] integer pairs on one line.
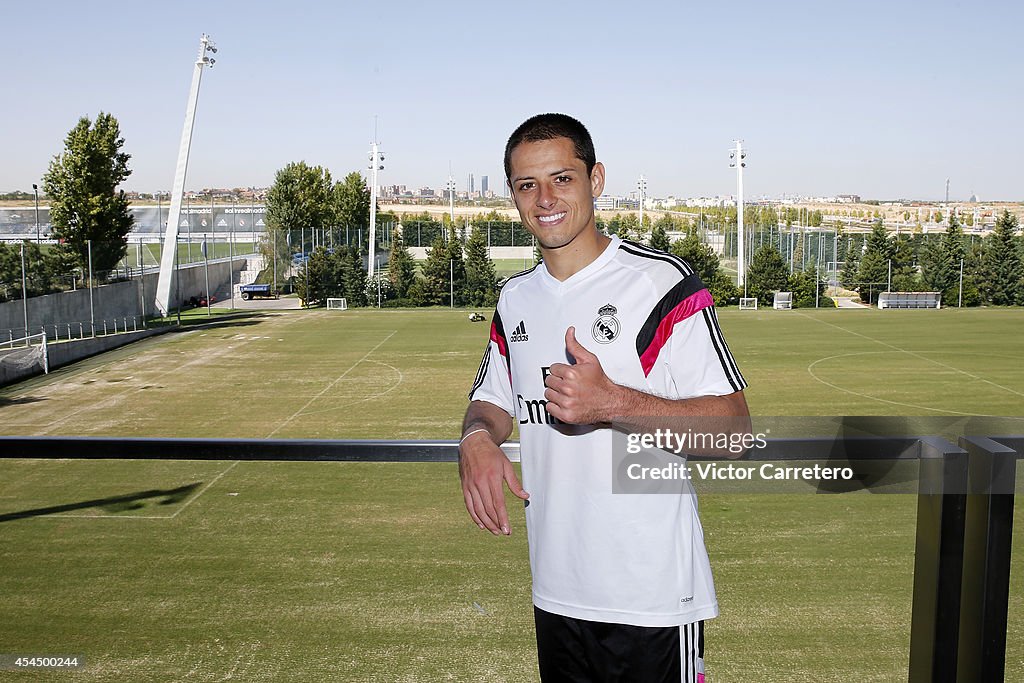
{"points": [[158, 571], [187, 252]]}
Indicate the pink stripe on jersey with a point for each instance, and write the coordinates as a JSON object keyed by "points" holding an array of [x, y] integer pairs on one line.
{"points": [[694, 303], [498, 339]]}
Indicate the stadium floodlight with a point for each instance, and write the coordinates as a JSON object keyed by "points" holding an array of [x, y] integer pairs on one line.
{"points": [[167, 256], [737, 155], [376, 164], [35, 190], [451, 193], [641, 185]]}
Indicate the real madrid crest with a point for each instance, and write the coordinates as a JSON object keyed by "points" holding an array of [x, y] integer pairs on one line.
{"points": [[606, 327]]}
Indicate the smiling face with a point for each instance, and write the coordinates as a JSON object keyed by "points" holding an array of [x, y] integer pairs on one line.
{"points": [[554, 194]]}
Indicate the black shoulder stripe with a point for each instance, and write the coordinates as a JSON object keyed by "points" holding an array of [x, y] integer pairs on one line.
{"points": [[520, 274], [482, 371], [732, 372], [645, 252], [688, 286]]}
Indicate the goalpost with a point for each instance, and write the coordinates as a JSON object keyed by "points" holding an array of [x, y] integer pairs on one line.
{"points": [[748, 303], [337, 304], [34, 354]]}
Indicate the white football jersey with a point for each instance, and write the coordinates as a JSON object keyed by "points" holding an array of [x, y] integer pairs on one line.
{"points": [[622, 558]]}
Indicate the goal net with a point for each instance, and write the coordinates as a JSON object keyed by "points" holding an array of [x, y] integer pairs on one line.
{"points": [[32, 358], [337, 304], [748, 303]]}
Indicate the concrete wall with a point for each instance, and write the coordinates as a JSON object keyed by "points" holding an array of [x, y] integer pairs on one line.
{"points": [[115, 301], [69, 352]]}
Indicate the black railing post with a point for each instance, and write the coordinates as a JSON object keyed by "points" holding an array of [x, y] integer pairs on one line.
{"points": [[938, 562], [986, 582]]}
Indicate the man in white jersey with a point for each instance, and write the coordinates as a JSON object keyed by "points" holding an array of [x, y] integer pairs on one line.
{"points": [[600, 329]]}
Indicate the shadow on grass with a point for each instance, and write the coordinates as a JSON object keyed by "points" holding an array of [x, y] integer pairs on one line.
{"points": [[216, 322], [22, 400], [114, 504]]}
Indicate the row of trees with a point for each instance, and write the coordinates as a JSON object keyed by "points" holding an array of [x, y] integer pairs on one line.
{"points": [[45, 270], [461, 271], [769, 273], [455, 270], [989, 271]]}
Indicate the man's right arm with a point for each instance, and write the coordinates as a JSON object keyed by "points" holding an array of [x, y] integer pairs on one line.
{"points": [[483, 467]]}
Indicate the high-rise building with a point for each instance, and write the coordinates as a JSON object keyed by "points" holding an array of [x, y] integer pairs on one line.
{"points": [[483, 185], [469, 185]]}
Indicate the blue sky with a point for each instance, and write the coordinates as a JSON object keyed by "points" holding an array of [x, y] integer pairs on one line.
{"points": [[881, 99]]}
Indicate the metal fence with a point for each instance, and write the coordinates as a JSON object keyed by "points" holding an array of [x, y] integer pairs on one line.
{"points": [[963, 533]]}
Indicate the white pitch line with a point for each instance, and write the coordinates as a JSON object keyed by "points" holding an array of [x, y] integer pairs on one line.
{"points": [[178, 512], [810, 370], [205, 489], [329, 386], [394, 386], [916, 355]]}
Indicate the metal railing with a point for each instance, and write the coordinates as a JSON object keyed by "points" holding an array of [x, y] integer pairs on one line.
{"points": [[80, 329], [964, 525]]}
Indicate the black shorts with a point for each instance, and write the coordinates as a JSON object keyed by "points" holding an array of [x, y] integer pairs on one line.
{"points": [[578, 651]]}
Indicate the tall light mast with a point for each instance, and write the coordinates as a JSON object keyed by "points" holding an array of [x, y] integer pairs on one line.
{"points": [[738, 155], [376, 164], [642, 186], [451, 195], [167, 256]]}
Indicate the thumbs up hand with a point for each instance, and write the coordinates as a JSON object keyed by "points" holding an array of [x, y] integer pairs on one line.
{"points": [[581, 393]]}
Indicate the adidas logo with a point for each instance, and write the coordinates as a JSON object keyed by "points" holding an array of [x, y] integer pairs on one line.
{"points": [[519, 334]]}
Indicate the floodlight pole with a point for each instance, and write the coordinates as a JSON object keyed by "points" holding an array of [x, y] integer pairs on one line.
{"points": [[24, 290], [738, 155], [376, 164], [642, 186], [35, 190], [960, 296], [167, 257], [451, 195]]}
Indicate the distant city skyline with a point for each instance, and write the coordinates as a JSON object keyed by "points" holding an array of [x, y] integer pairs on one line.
{"points": [[883, 100]]}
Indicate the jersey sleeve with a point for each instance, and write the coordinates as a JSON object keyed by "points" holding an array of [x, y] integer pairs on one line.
{"points": [[493, 381], [681, 347]]}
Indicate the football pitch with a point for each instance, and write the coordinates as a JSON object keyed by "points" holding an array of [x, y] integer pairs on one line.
{"points": [[282, 571]]}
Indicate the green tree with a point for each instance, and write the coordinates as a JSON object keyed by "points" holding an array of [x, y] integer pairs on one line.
{"points": [[401, 266], [352, 202], [1003, 274], [768, 273], [481, 281], [42, 269], [444, 269], [904, 272], [873, 273], [85, 204], [299, 199], [808, 289], [659, 236], [629, 227], [316, 280], [457, 268], [940, 262], [614, 224], [353, 276], [703, 259]]}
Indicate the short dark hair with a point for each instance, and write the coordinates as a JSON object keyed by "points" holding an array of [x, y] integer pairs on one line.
{"points": [[549, 127]]}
